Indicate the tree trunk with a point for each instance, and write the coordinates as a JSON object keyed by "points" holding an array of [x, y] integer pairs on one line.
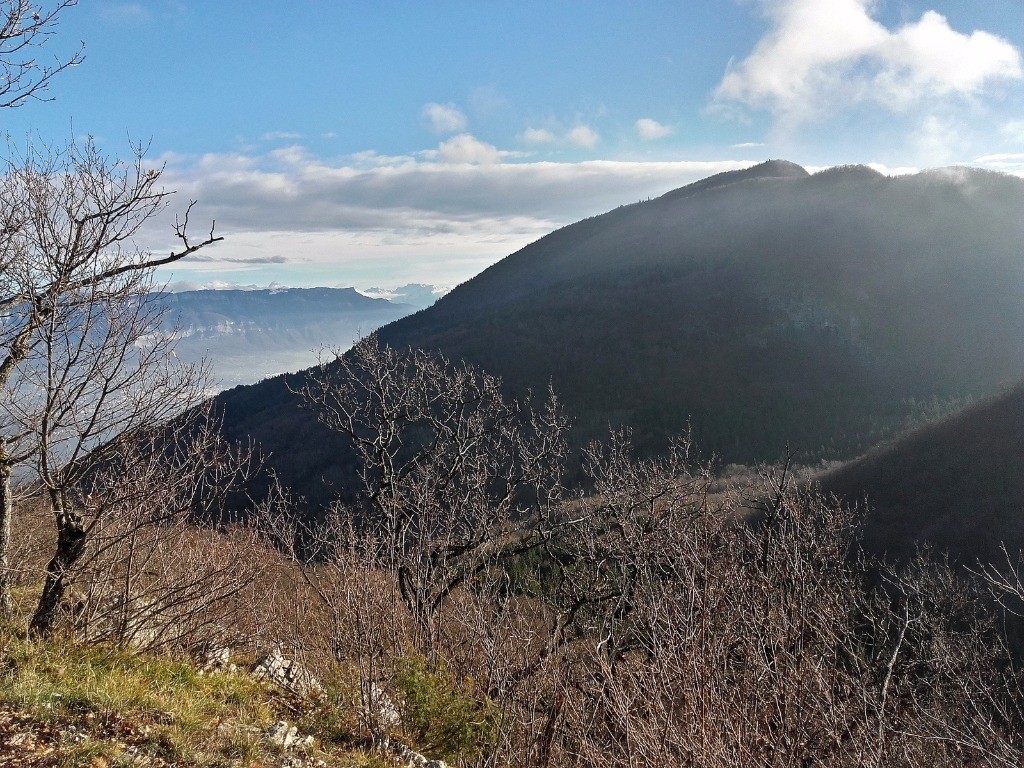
{"points": [[6, 512], [70, 546]]}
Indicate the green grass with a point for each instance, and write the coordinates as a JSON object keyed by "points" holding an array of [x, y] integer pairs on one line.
{"points": [[62, 673], [156, 705]]}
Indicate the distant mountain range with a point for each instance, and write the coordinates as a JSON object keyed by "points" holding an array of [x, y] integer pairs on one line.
{"points": [[248, 335], [419, 295], [762, 307]]}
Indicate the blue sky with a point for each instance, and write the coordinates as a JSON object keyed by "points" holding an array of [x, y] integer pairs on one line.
{"points": [[377, 143]]}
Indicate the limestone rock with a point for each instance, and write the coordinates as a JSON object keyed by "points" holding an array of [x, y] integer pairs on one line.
{"points": [[287, 674], [381, 712], [410, 758], [282, 735]]}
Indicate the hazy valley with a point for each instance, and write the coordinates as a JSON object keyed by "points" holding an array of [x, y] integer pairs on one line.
{"points": [[248, 335]]}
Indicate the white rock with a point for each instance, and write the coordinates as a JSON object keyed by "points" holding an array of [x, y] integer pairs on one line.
{"points": [[282, 735], [381, 711], [287, 674]]}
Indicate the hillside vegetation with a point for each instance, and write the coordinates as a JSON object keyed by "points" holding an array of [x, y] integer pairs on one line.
{"points": [[672, 618], [955, 484]]}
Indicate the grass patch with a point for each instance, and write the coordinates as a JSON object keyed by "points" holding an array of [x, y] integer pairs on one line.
{"points": [[91, 702]]}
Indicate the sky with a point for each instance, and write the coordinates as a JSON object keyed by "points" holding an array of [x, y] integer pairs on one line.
{"points": [[372, 144]]}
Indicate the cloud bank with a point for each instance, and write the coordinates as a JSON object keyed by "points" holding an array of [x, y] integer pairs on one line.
{"points": [[441, 216]]}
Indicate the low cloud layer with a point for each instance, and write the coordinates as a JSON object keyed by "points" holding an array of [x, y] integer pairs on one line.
{"points": [[819, 57], [206, 258], [292, 189], [440, 217]]}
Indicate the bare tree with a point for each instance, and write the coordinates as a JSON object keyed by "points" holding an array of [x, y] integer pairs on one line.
{"points": [[25, 25], [153, 571], [455, 476], [76, 370]]}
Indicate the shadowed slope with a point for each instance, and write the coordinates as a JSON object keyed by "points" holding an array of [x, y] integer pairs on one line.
{"points": [[957, 484]]}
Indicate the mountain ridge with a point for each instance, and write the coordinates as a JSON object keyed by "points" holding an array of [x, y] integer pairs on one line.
{"points": [[777, 308]]}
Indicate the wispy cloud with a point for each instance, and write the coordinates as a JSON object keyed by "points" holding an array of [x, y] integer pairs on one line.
{"points": [[207, 258], [581, 136], [539, 136], [443, 118], [818, 58], [748, 145], [1007, 162], [487, 100], [650, 130], [126, 13], [281, 135]]}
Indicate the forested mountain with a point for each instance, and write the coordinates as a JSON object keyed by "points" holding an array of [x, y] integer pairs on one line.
{"points": [[764, 307], [955, 484], [250, 335]]}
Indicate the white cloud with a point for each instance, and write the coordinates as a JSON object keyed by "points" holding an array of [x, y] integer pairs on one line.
{"points": [[583, 136], [1007, 162], [1003, 157], [443, 118], [465, 148], [539, 136], [893, 170], [748, 145], [819, 57], [278, 135], [419, 219], [649, 130]]}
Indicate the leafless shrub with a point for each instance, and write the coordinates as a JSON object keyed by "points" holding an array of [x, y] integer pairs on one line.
{"points": [[771, 642], [154, 570], [455, 476], [665, 619]]}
